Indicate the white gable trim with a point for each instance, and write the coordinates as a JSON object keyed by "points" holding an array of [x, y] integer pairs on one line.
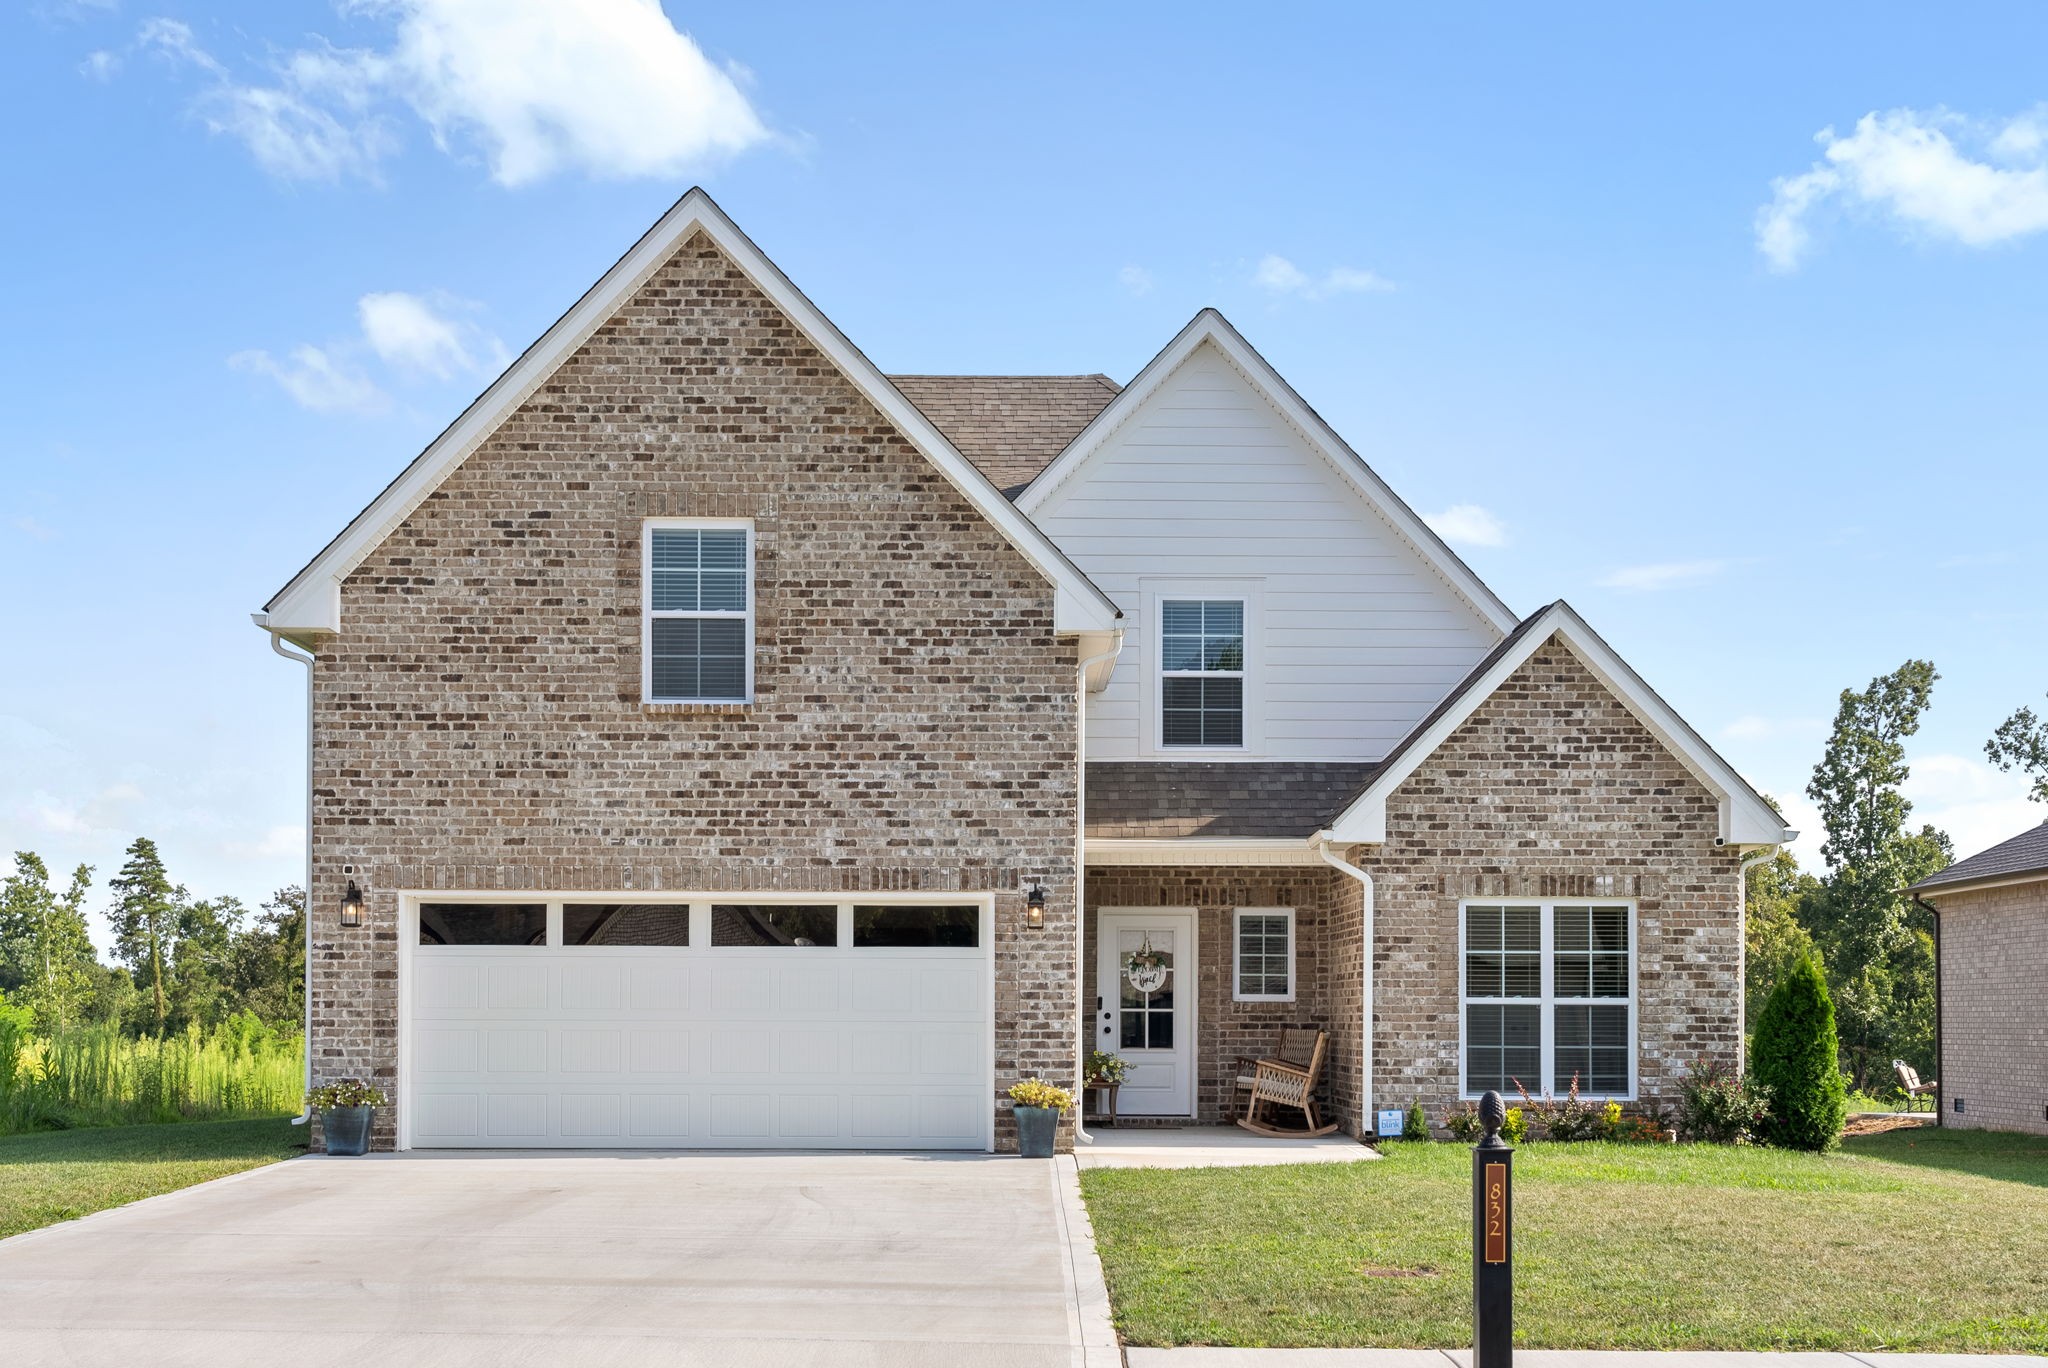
{"points": [[1212, 327], [311, 603], [1746, 819]]}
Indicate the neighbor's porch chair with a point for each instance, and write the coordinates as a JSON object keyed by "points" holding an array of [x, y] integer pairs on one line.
{"points": [[1909, 1080], [1279, 1084]]}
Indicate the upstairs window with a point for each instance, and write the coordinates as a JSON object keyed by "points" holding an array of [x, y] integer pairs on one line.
{"points": [[698, 642], [1201, 672]]}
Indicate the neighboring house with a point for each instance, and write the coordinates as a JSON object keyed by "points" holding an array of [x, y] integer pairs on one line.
{"points": [[735, 745], [1993, 1037]]}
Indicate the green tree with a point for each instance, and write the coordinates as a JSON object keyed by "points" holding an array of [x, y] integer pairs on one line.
{"points": [[200, 990], [2021, 743], [147, 917], [267, 972], [1862, 923], [1794, 1054], [46, 954]]}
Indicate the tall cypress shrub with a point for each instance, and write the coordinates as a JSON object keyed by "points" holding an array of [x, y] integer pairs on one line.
{"points": [[1795, 1054]]}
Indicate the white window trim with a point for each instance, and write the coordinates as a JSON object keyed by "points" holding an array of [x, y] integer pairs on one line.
{"points": [[648, 613], [1549, 1001], [1237, 993], [1155, 592]]}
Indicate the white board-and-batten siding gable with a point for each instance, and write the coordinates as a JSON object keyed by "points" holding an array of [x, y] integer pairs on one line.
{"points": [[1206, 484]]}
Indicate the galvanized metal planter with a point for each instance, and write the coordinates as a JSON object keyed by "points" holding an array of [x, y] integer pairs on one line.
{"points": [[1036, 1127], [346, 1129]]}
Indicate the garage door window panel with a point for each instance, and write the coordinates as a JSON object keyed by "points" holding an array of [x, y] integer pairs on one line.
{"points": [[625, 925], [484, 924], [949, 928], [772, 925]]}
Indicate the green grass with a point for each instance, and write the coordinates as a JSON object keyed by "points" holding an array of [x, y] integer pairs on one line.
{"points": [[62, 1175], [1915, 1239], [96, 1076]]}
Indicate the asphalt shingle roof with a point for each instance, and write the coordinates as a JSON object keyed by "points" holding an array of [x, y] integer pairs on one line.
{"points": [[1155, 800], [2026, 853], [1010, 426]]}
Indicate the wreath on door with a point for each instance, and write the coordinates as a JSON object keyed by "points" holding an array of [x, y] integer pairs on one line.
{"points": [[1146, 967]]}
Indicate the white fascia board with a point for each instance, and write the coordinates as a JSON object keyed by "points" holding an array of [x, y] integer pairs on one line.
{"points": [[1212, 327], [1745, 818], [312, 601], [1199, 850]]}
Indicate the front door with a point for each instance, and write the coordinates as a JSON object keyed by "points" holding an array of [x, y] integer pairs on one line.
{"points": [[1145, 979]]}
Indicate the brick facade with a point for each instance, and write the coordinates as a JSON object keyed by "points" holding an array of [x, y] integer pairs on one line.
{"points": [[479, 726], [1551, 789], [1994, 1007]]}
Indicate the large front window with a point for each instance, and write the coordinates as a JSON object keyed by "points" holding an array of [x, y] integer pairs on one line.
{"points": [[699, 638], [1549, 997], [1201, 672]]}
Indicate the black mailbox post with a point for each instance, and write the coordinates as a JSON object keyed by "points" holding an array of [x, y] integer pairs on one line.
{"points": [[1493, 1241]]}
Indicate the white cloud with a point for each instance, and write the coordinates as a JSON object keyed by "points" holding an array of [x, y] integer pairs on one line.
{"points": [[274, 844], [1664, 575], [534, 87], [1281, 276], [1917, 169], [1136, 279], [100, 65], [316, 380], [29, 527], [409, 335], [1468, 525], [104, 811], [1977, 805]]}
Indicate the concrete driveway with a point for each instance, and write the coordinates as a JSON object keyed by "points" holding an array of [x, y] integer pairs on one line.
{"points": [[615, 1260]]}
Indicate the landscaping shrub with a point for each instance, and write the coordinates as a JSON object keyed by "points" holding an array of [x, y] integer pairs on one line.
{"points": [[1415, 1126], [1794, 1054], [1572, 1119], [1717, 1106]]}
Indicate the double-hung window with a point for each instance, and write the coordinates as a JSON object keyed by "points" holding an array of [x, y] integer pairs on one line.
{"points": [[1265, 955], [1549, 997], [1201, 672], [698, 642]]}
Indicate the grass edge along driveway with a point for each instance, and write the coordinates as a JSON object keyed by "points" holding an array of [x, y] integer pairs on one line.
{"points": [[52, 1176], [1912, 1240]]}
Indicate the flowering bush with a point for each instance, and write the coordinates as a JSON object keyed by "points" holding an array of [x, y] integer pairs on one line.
{"points": [[345, 1092], [1716, 1106], [1036, 1092]]}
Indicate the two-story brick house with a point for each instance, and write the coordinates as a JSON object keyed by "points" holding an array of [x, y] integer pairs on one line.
{"points": [[718, 742]]}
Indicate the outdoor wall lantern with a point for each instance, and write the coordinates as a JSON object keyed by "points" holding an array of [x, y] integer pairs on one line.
{"points": [[1034, 906], [352, 905]]}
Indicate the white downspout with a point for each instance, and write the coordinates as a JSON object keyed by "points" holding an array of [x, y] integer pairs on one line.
{"points": [[1087, 1035], [306, 896], [1321, 842], [1742, 947]]}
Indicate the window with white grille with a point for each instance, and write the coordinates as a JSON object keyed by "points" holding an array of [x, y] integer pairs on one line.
{"points": [[1265, 954], [698, 638], [1201, 672], [1549, 996]]}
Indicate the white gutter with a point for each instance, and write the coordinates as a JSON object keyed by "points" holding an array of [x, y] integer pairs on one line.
{"points": [[306, 894], [1085, 1038], [1321, 842]]}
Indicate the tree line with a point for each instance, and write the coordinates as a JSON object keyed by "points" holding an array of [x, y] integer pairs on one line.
{"points": [[1873, 942], [179, 961]]}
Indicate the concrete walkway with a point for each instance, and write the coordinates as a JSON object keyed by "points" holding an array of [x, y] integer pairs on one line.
{"points": [[1210, 1147], [508, 1260], [1557, 1358]]}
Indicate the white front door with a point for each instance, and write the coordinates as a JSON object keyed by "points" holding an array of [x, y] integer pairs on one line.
{"points": [[1145, 976]]}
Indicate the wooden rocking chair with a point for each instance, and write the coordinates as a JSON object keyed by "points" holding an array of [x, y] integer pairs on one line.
{"points": [[1277, 1083]]}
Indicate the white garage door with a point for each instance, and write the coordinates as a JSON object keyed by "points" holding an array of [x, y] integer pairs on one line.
{"points": [[716, 1023]]}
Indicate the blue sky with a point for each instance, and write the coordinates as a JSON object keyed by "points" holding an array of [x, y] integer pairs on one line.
{"points": [[1584, 283]]}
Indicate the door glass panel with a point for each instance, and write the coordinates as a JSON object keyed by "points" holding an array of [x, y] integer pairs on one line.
{"points": [[1145, 970]]}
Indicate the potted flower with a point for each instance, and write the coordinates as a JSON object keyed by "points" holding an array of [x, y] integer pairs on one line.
{"points": [[1037, 1105], [1106, 1069], [345, 1107]]}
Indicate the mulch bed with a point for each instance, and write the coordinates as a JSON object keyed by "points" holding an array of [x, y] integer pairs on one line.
{"points": [[1877, 1123]]}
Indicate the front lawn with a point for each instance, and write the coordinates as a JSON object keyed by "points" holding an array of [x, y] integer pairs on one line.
{"points": [[60, 1175], [1913, 1239]]}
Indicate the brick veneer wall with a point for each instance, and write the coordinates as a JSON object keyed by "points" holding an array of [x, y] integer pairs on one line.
{"points": [[1552, 789], [478, 725], [1994, 1007], [1225, 1029]]}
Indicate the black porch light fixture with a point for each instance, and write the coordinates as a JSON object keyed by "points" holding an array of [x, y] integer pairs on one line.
{"points": [[1034, 906], [352, 905]]}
